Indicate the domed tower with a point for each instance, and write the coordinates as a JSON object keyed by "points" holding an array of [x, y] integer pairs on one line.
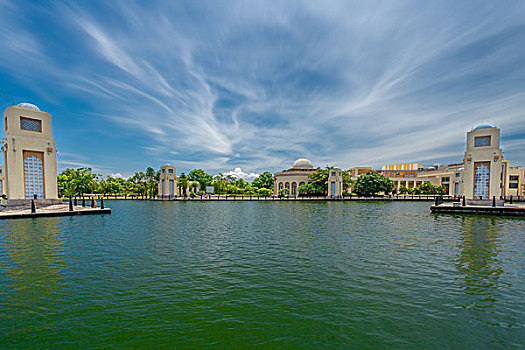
{"points": [[483, 162], [29, 155]]}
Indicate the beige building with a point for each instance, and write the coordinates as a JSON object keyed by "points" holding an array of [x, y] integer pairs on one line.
{"points": [[2, 181], [335, 183], [515, 184], [30, 156], [483, 173], [359, 170], [294, 177], [167, 182], [403, 166]]}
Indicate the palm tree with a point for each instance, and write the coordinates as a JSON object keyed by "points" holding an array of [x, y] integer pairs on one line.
{"points": [[183, 183], [194, 185]]}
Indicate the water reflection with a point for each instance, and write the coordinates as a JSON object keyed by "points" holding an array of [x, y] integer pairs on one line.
{"points": [[31, 259], [479, 263]]}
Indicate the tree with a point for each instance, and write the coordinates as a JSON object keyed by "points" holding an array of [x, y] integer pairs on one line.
{"points": [[264, 192], [371, 183], [347, 180], [319, 184], [152, 178], [283, 192], [265, 180], [194, 186], [204, 179], [220, 183], [183, 184], [76, 181]]}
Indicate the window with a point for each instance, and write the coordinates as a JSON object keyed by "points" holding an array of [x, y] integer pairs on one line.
{"points": [[513, 185], [334, 173], [445, 179], [481, 181], [163, 171], [482, 141], [170, 171], [458, 174], [30, 124], [34, 176], [513, 178]]}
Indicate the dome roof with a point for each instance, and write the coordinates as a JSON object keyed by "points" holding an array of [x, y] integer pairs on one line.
{"points": [[28, 105], [302, 163], [483, 126]]}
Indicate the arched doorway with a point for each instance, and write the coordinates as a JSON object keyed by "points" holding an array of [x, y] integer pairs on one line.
{"points": [[294, 188]]}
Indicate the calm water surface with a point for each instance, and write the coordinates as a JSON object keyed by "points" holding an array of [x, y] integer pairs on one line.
{"points": [[243, 275]]}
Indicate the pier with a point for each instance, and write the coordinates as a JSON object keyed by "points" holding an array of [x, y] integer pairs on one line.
{"points": [[55, 210], [476, 208]]}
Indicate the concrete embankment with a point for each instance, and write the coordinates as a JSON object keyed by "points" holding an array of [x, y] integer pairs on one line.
{"points": [[517, 210], [50, 211]]}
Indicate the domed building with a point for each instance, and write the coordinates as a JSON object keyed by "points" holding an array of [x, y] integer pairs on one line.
{"points": [[294, 177]]}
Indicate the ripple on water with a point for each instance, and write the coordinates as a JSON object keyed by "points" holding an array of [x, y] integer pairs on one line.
{"points": [[246, 274]]}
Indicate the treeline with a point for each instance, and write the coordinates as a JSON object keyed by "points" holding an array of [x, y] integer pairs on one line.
{"points": [[425, 189], [77, 182]]}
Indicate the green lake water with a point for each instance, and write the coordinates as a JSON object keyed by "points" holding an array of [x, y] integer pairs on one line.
{"points": [[263, 275]]}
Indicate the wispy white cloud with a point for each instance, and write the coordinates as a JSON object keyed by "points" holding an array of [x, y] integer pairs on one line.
{"points": [[255, 85]]}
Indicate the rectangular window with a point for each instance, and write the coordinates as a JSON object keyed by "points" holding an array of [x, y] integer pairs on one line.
{"points": [[482, 141], [163, 171], [170, 171], [458, 174], [513, 177], [334, 173], [445, 179], [30, 124], [513, 185]]}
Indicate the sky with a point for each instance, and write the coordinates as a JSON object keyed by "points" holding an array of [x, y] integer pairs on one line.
{"points": [[248, 86]]}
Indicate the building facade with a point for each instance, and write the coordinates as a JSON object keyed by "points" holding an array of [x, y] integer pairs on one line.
{"points": [[30, 156], [167, 182], [335, 183], [2, 181], [484, 169], [484, 173], [289, 180]]}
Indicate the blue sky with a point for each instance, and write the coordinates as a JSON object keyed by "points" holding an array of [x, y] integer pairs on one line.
{"points": [[254, 85]]}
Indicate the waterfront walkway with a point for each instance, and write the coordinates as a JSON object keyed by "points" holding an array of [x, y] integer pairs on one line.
{"points": [[49, 211]]}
